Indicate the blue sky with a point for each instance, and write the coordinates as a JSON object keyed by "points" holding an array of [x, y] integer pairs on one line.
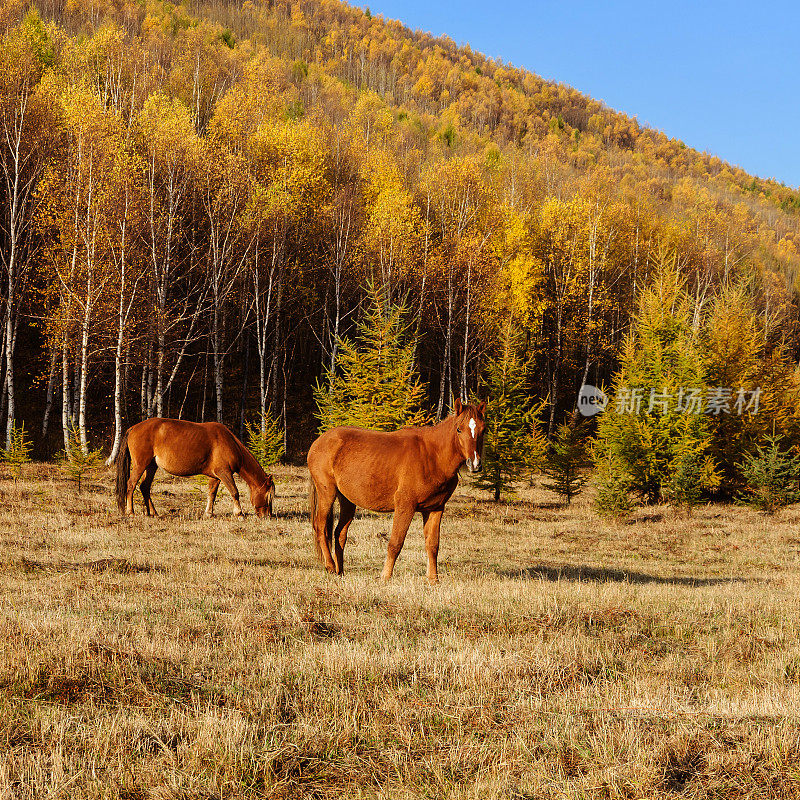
{"points": [[722, 76]]}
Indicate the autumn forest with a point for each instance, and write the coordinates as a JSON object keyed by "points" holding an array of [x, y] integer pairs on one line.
{"points": [[197, 199]]}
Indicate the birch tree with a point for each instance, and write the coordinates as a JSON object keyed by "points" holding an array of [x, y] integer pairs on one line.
{"points": [[25, 141], [78, 198], [288, 164], [170, 151], [224, 190]]}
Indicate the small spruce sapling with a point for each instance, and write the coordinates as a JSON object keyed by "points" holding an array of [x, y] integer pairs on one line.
{"points": [[513, 444], [659, 446], [566, 459], [771, 476], [613, 497], [376, 384], [693, 473], [79, 462], [18, 453], [265, 440]]}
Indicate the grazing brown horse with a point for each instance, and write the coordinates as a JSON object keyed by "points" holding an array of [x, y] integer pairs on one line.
{"points": [[405, 471], [189, 448]]}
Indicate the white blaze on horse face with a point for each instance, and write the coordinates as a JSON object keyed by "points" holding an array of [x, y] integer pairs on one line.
{"points": [[472, 427]]}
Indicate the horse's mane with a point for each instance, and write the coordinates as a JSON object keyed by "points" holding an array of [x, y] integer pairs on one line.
{"points": [[250, 462]]}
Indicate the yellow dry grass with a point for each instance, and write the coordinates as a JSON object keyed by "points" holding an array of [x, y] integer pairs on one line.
{"points": [[561, 656]]}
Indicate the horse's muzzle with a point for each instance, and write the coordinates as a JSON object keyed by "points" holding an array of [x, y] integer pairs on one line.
{"points": [[474, 465]]}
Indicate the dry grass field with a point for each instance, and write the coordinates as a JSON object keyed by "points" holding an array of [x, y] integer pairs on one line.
{"points": [[561, 656]]}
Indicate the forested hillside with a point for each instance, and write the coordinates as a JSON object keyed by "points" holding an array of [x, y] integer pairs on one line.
{"points": [[196, 197]]}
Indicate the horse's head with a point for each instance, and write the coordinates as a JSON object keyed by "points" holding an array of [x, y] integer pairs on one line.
{"points": [[262, 497], [469, 433]]}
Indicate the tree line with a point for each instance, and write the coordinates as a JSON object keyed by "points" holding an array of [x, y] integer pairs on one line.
{"points": [[196, 200]]}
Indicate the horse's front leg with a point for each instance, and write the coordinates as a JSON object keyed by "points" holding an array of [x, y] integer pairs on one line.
{"points": [[230, 485], [213, 486], [431, 521], [403, 514]]}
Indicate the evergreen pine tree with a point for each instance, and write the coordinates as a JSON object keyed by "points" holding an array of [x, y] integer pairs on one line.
{"points": [[18, 453], [613, 499], [692, 472], [265, 440], [376, 384], [512, 443], [567, 458], [77, 462], [655, 434], [771, 476], [741, 351]]}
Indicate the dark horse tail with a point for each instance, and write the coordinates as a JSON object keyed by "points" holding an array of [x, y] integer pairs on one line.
{"points": [[123, 471], [312, 510]]}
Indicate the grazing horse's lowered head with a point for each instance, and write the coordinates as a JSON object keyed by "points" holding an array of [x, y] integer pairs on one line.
{"points": [[262, 496], [470, 426]]}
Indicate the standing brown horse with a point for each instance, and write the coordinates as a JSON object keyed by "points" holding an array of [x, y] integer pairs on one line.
{"points": [[189, 448], [405, 471]]}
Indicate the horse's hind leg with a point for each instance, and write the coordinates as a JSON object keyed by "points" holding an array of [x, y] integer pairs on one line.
{"points": [[323, 522], [347, 511], [213, 486], [133, 479], [147, 482]]}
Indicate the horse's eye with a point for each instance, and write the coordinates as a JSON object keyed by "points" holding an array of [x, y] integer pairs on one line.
{"points": [[459, 429]]}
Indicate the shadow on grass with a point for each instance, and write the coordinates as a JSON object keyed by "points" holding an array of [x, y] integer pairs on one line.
{"points": [[291, 515], [582, 572], [119, 565], [520, 505]]}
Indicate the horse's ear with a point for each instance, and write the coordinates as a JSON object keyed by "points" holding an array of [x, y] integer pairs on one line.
{"points": [[482, 407], [457, 407]]}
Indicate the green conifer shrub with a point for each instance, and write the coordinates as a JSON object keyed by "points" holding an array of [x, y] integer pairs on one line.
{"points": [[567, 459], [655, 433], [376, 383], [771, 475], [513, 445], [265, 440], [77, 462], [613, 497], [692, 473], [18, 453]]}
